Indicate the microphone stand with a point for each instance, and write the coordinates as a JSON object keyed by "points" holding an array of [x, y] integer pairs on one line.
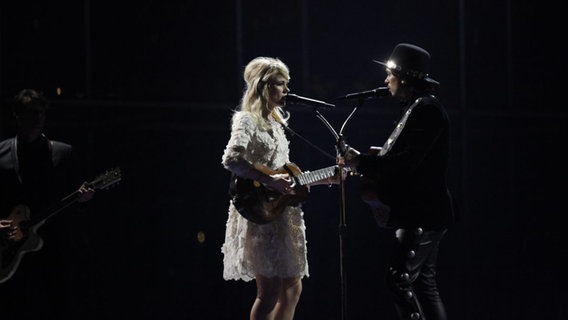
{"points": [[342, 221], [343, 215]]}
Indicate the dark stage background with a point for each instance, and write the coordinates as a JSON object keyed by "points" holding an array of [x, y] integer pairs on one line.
{"points": [[149, 86]]}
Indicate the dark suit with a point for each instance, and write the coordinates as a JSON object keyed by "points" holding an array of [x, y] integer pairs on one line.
{"points": [[411, 179], [38, 175], [32, 179]]}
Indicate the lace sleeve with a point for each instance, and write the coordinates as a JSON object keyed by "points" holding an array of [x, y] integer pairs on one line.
{"points": [[235, 156]]}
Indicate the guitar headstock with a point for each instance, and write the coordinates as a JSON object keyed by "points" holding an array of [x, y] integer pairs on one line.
{"points": [[107, 179]]}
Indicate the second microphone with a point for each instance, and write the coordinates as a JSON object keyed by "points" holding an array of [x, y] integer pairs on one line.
{"points": [[369, 94]]}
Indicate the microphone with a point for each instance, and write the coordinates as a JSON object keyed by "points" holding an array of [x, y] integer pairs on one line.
{"points": [[296, 99], [375, 93]]}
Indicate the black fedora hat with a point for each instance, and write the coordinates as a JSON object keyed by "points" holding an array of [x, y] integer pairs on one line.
{"points": [[411, 61]]}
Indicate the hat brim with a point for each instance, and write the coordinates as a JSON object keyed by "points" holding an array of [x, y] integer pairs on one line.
{"points": [[427, 79], [380, 62]]}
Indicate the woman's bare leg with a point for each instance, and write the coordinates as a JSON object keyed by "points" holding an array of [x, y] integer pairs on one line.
{"points": [[267, 294], [288, 300]]}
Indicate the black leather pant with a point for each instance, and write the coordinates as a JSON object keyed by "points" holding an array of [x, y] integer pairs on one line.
{"points": [[412, 274]]}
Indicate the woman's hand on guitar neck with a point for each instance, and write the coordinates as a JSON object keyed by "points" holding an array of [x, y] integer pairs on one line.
{"points": [[334, 179], [350, 158]]}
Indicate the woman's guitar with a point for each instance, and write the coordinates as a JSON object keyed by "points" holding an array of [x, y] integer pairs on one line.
{"points": [[26, 238], [261, 205]]}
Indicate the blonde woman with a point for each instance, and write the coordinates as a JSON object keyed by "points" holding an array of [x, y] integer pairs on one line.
{"points": [[274, 254]]}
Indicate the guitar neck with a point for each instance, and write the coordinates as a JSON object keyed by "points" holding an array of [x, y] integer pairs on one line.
{"points": [[55, 208], [103, 181], [315, 176]]}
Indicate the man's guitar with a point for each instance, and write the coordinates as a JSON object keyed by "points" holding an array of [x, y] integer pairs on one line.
{"points": [[380, 211], [261, 205], [26, 238]]}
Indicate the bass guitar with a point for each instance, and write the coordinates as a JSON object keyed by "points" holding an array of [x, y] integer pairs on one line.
{"points": [[380, 210], [26, 238], [261, 205]]}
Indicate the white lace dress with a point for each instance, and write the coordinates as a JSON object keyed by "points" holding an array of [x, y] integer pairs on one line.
{"points": [[274, 249]]}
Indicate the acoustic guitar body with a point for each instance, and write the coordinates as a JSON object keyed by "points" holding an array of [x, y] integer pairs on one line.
{"points": [[381, 211]]}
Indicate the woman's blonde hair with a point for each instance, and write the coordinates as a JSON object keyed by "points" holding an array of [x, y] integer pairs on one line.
{"points": [[257, 75]]}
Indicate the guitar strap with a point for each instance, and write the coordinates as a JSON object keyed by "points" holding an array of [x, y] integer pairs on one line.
{"points": [[396, 132], [14, 154]]}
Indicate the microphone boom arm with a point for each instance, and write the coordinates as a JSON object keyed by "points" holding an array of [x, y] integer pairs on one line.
{"points": [[326, 123]]}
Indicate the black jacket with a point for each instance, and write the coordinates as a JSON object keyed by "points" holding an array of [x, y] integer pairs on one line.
{"points": [[411, 176]]}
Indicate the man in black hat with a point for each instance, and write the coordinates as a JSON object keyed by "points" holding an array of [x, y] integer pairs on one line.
{"points": [[405, 183]]}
